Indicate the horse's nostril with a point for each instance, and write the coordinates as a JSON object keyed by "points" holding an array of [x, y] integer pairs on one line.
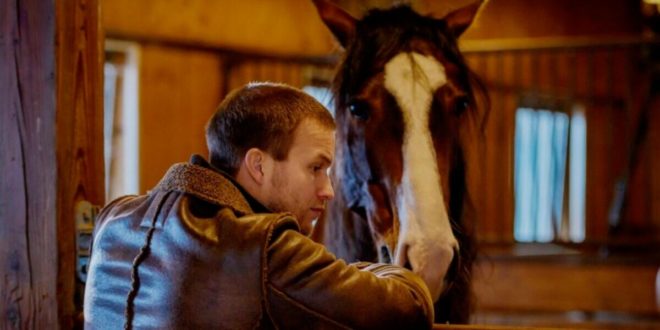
{"points": [[407, 265], [385, 254]]}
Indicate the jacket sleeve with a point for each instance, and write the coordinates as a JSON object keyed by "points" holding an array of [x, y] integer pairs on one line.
{"points": [[308, 287]]}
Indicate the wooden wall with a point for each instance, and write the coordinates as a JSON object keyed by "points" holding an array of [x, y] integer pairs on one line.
{"points": [[179, 90], [505, 19], [50, 154], [285, 27], [609, 82], [565, 284]]}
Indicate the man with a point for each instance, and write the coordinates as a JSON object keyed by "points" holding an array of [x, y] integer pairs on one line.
{"points": [[204, 249]]}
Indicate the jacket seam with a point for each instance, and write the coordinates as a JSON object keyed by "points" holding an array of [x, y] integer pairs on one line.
{"points": [[264, 272], [143, 253]]}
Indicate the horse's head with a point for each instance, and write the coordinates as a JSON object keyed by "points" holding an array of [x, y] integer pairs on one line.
{"points": [[404, 103]]}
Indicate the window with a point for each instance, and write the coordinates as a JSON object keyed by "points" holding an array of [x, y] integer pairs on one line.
{"points": [[120, 119], [549, 177], [323, 95]]}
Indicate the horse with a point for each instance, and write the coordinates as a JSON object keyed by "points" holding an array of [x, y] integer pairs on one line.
{"points": [[406, 112]]}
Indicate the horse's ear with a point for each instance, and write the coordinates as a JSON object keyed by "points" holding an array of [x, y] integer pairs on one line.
{"points": [[460, 19], [341, 23]]}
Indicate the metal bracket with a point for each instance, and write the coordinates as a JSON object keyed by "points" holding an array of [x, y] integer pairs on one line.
{"points": [[85, 214]]}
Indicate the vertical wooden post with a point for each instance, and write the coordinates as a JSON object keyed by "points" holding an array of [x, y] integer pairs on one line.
{"points": [[51, 153], [79, 122]]}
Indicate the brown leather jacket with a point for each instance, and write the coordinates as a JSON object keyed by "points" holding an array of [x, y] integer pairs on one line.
{"points": [[194, 254]]}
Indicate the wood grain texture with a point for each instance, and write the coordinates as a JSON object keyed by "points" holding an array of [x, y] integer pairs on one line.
{"points": [[28, 244], [270, 27], [653, 159], [483, 327], [79, 126], [50, 154], [524, 19], [560, 286]]}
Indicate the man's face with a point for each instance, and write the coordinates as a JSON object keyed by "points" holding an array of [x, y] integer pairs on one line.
{"points": [[300, 183]]}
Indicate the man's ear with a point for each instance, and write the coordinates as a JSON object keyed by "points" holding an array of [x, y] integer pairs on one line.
{"points": [[255, 162]]}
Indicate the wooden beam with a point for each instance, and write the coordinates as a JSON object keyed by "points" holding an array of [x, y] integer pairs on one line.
{"points": [[560, 285], [79, 135], [267, 27], [50, 153], [28, 244], [484, 327]]}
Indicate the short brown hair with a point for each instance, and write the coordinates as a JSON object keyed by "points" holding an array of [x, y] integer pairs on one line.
{"points": [[259, 115]]}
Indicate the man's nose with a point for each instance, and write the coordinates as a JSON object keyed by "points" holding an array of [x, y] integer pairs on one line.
{"points": [[326, 192]]}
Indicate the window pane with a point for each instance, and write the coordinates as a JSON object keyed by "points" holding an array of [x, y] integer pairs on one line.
{"points": [[323, 95], [523, 176], [578, 170], [540, 167]]}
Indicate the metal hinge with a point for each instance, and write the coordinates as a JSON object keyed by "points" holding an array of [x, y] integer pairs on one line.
{"points": [[85, 215]]}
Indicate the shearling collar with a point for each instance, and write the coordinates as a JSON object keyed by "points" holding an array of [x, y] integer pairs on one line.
{"points": [[207, 184]]}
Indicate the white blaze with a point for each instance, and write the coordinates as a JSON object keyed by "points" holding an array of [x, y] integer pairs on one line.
{"points": [[425, 240]]}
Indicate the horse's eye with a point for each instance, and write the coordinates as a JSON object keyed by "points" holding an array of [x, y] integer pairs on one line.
{"points": [[461, 105], [359, 109]]}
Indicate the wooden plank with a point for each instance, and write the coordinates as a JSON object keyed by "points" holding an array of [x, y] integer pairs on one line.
{"points": [[525, 19], [653, 140], [483, 327], [599, 185], [488, 211], [291, 26], [50, 154], [639, 219], [559, 286], [567, 320], [506, 190], [28, 244], [492, 184], [79, 138]]}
